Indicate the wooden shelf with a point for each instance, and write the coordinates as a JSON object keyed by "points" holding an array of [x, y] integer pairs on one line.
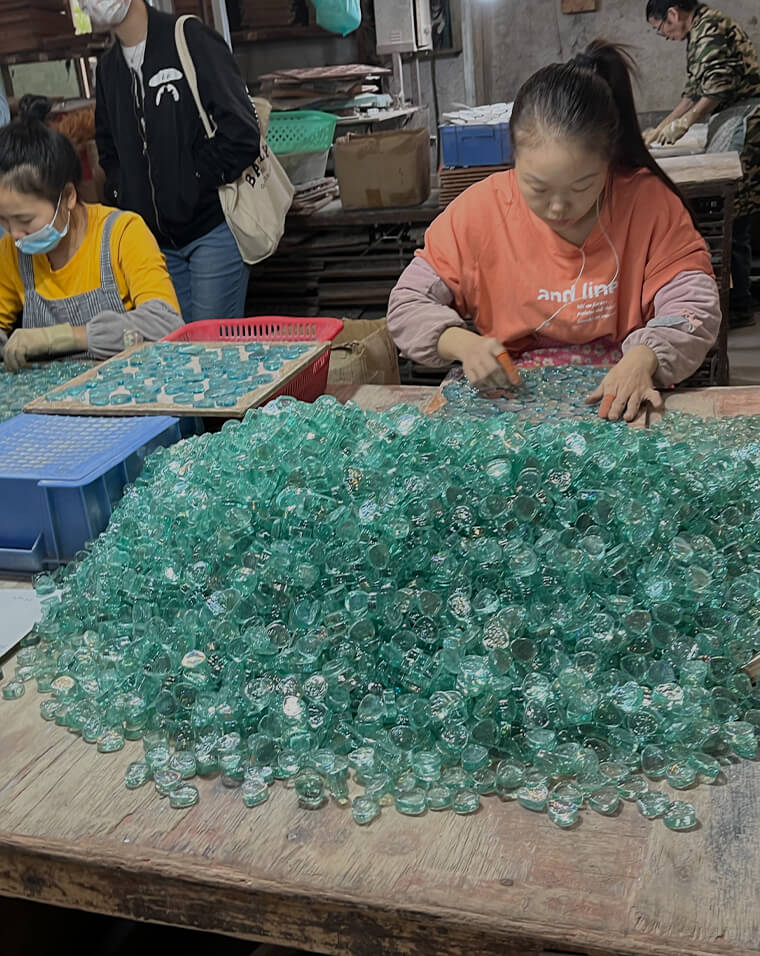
{"points": [[58, 48], [335, 216], [383, 116], [272, 34]]}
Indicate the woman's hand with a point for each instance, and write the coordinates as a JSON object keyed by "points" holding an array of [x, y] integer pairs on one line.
{"points": [[653, 135], [650, 135], [479, 356], [674, 131], [628, 385], [24, 345]]}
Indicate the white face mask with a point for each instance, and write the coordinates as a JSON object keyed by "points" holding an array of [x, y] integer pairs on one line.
{"points": [[106, 13]]}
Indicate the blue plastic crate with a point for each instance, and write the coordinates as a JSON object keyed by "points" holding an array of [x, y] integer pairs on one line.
{"points": [[476, 145], [60, 477]]}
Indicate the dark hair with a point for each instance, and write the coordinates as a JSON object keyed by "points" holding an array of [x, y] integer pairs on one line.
{"points": [[34, 158], [658, 9], [589, 99]]}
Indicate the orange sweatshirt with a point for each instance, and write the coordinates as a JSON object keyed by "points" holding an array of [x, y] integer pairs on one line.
{"points": [[510, 272]]}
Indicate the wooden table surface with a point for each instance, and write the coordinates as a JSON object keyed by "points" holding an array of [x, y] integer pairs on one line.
{"points": [[377, 398], [503, 881], [705, 169]]}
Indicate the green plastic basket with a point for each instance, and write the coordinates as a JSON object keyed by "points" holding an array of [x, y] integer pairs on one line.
{"points": [[301, 131]]}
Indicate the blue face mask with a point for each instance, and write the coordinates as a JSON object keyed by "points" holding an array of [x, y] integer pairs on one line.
{"points": [[45, 239]]}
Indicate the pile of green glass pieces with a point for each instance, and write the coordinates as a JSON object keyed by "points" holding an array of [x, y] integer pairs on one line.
{"points": [[17, 389], [545, 393], [395, 609], [189, 373]]}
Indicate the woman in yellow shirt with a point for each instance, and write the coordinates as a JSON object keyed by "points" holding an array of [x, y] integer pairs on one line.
{"points": [[79, 277]]}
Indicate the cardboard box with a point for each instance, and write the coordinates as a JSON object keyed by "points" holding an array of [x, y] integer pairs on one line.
{"points": [[363, 354], [382, 170]]}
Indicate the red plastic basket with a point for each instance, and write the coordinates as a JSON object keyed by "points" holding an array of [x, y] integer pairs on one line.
{"points": [[308, 384]]}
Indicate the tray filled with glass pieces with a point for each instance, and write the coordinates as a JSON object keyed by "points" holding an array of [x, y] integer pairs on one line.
{"points": [[207, 379], [546, 393]]}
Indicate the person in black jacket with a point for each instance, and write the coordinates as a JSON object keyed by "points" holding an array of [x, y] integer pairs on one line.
{"points": [[156, 157]]}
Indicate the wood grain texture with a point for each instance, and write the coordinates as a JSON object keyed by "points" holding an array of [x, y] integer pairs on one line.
{"points": [[709, 168], [378, 398], [252, 399], [502, 881], [712, 402]]}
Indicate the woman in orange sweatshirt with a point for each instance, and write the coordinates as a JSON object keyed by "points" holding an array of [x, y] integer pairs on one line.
{"points": [[583, 253]]}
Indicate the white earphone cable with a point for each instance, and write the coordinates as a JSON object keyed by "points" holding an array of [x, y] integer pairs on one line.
{"points": [[583, 266]]}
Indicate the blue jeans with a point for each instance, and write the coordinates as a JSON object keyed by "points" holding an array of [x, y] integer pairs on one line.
{"points": [[209, 276]]}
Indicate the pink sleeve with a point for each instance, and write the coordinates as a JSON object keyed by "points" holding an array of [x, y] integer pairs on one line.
{"points": [[685, 326], [419, 310]]}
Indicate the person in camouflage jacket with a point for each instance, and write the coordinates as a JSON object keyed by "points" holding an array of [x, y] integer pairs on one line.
{"points": [[723, 84]]}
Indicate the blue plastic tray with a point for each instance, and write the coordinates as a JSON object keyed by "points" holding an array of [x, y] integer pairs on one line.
{"points": [[476, 145], [60, 477]]}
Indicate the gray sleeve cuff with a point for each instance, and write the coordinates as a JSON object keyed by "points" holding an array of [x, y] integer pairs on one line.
{"points": [[684, 328], [111, 332]]}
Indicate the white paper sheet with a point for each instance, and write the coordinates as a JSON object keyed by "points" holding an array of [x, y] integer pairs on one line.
{"points": [[20, 608], [691, 144]]}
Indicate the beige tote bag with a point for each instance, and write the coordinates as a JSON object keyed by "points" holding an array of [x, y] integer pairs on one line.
{"points": [[256, 204]]}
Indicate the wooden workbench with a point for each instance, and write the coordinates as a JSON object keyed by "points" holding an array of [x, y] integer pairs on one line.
{"points": [[334, 216], [504, 881], [707, 169]]}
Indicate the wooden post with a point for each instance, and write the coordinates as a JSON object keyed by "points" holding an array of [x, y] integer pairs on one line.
{"points": [[480, 49]]}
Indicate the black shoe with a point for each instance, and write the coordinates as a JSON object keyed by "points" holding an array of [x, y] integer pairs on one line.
{"points": [[741, 319]]}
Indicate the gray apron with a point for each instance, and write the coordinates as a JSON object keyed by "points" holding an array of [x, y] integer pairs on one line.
{"points": [[77, 309], [727, 129]]}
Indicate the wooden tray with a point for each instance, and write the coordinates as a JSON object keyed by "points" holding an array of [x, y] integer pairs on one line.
{"points": [[165, 405]]}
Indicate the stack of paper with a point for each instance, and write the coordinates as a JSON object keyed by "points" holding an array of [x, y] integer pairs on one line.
{"points": [[315, 195], [490, 115], [324, 88]]}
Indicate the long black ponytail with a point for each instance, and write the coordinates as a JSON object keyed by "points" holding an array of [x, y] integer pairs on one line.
{"points": [[590, 99]]}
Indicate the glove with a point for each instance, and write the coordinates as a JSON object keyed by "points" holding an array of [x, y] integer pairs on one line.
{"points": [[674, 131], [26, 344], [650, 135], [484, 359]]}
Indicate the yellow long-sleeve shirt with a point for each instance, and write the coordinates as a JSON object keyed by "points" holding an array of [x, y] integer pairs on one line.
{"points": [[138, 267]]}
